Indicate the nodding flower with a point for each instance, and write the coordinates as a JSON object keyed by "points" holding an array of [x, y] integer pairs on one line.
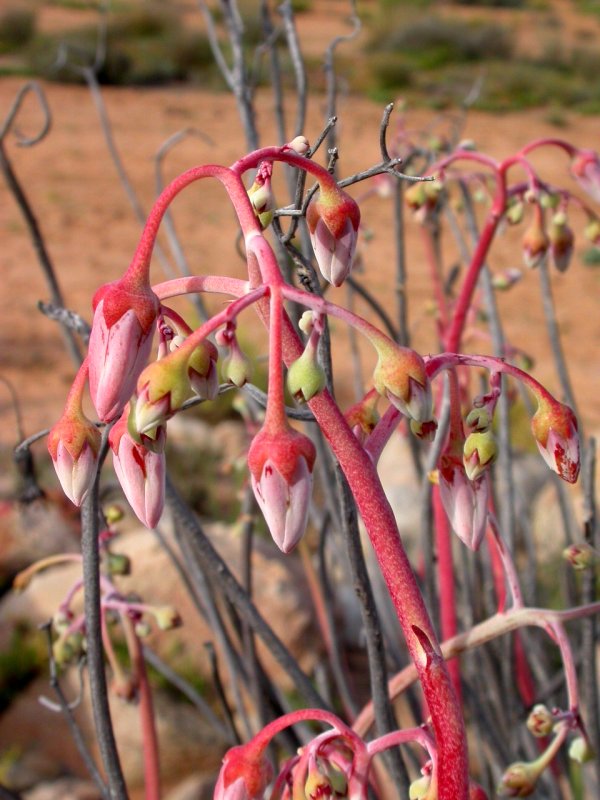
{"points": [[120, 343], [585, 168], [141, 472], [333, 219], [73, 444], [554, 427], [281, 465]]}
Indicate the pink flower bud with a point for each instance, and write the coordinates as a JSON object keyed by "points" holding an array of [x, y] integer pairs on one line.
{"points": [[120, 344], [333, 220], [585, 168], [281, 466], [554, 427], [141, 473], [465, 502], [73, 444], [401, 377], [245, 775]]}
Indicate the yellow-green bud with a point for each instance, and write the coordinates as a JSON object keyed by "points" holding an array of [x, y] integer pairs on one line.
{"points": [[118, 564], [479, 452], [306, 377], [419, 787], [167, 617], [540, 721], [580, 750], [581, 556]]}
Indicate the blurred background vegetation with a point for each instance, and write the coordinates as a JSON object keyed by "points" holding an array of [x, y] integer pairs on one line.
{"points": [[525, 53]]}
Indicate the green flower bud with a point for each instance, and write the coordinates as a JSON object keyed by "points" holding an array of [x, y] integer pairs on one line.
{"points": [[306, 377]]}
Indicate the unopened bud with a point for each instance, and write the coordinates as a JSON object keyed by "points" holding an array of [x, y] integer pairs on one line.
{"points": [[419, 787], [581, 556], [167, 617], [300, 144], [118, 564], [580, 750], [519, 780], [306, 377], [540, 721], [479, 453]]}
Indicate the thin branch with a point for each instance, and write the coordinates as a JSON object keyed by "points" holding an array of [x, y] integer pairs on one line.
{"points": [[67, 710], [238, 597], [93, 621]]}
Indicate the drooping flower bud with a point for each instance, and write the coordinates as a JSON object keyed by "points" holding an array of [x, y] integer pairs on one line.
{"points": [[244, 775], [400, 376], [581, 556], [306, 376], [141, 473], [540, 721], [519, 780], [333, 219], [515, 210], [419, 788], [281, 466], [585, 168], [580, 750], [362, 417], [261, 195], [425, 431], [504, 280], [165, 385], [422, 198], [300, 145], [554, 427], [535, 242], [562, 241], [592, 231], [120, 343], [202, 370], [73, 444], [167, 617], [465, 501], [479, 453]]}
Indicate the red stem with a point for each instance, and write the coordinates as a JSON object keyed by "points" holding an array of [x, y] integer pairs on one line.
{"points": [[379, 520], [147, 721]]}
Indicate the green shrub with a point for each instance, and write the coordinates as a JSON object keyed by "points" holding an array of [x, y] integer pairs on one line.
{"points": [[17, 26], [431, 42]]}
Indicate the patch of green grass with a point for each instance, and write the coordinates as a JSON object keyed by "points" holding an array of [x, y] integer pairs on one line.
{"points": [[17, 27], [146, 46], [20, 663]]}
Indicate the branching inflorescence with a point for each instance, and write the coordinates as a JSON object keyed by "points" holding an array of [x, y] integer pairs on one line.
{"points": [[136, 399]]}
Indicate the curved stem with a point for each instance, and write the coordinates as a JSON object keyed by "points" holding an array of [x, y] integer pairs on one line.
{"points": [[200, 283], [138, 271], [485, 631]]}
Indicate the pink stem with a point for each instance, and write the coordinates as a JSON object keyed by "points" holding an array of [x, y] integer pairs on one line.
{"points": [[380, 523], [138, 271], [486, 631], [200, 283], [448, 360], [405, 736], [150, 747]]}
